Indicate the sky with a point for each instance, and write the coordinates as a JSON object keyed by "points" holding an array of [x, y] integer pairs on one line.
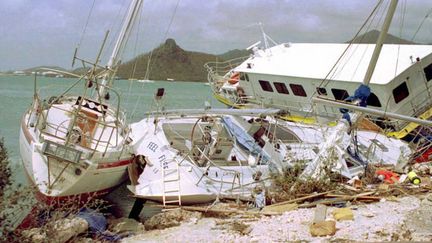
{"points": [[46, 32]]}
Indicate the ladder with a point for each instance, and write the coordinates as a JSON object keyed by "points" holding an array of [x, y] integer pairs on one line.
{"points": [[171, 184]]}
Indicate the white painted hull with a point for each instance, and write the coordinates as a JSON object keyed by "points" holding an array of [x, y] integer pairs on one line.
{"points": [[193, 183], [96, 179]]}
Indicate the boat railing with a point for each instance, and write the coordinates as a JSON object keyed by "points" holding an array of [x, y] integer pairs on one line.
{"points": [[99, 141], [92, 143], [417, 106], [219, 72]]}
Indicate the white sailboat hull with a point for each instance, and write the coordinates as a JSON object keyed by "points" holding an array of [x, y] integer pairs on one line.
{"points": [[75, 182]]}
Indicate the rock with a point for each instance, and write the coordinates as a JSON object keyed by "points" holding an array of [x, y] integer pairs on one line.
{"points": [[170, 218], [368, 214], [323, 228], [59, 231], [123, 225], [343, 214]]}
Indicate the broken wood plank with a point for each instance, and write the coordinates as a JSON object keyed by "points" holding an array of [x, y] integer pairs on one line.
{"points": [[300, 199], [325, 202], [343, 198], [355, 197]]}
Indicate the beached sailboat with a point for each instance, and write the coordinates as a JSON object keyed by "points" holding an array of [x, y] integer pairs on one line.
{"points": [[189, 157], [76, 144], [288, 76]]}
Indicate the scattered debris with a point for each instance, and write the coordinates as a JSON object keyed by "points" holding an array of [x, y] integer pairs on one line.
{"points": [[343, 214], [279, 208], [170, 218]]}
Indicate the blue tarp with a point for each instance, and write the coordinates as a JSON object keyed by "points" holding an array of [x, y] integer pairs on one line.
{"points": [[98, 225], [245, 140]]}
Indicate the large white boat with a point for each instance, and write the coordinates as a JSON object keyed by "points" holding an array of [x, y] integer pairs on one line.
{"points": [[74, 145], [288, 76]]}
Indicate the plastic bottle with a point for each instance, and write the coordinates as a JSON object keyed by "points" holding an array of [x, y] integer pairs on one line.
{"points": [[412, 176]]}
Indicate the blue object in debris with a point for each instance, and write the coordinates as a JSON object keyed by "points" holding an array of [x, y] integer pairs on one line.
{"points": [[97, 224], [245, 140], [361, 94]]}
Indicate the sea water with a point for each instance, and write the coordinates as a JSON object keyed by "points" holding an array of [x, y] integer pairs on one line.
{"points": [[136, 99]]}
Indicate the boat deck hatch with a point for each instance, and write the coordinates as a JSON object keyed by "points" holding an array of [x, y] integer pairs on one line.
{"points": [[61, 152]]}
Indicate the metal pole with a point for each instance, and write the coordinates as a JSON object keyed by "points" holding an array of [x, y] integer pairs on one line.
{"points": [[372, 111], [380, 41], [134, 8]]}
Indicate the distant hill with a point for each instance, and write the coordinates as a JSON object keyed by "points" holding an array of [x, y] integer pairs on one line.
{"points": [[372, 36], [169, 61], [234, 54]]}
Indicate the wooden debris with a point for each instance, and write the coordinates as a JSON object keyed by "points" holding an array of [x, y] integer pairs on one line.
{"points": [[300, 199], [358, 197], [323, 228], [319, 226], [281, 208], [343, 214]]}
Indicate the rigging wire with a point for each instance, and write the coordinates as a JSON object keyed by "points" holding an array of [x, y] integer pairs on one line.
{"points": [[400, 35], [129, 92], [86, 24], [326, 80], [148, 68], [165, 36], [421, 24], [121, 10]]}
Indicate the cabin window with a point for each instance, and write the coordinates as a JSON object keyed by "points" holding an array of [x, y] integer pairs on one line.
{"points": [[373, 100], [244, 76], [281, 88], [340, 94], [400, 92], [428, 72], [266, 86], [298, 90], [321, 91]]}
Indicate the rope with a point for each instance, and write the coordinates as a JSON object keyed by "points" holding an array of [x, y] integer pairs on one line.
{"points": [[148, 69], [326, 79], [135, 64], [165, 36], [86, 24], [400, 35], [349, 45], [421, 24]]}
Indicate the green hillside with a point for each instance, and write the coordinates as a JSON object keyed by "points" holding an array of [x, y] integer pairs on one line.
{"points": [[168, 61]]}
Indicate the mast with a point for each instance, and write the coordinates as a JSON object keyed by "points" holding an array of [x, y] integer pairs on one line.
{"points": [[380, 41], [134, 9]]}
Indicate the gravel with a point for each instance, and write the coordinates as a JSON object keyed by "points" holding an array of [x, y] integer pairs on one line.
{"points": [[407, 218]]}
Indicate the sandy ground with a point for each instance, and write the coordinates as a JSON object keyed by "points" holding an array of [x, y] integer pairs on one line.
{"points": [[407, 219]]}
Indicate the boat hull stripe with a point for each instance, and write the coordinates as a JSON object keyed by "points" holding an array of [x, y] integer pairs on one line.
{"points": [[114, 164]]}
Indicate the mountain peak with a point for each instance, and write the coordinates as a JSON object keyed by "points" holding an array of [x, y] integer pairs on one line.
{"points": [[372, 36], [170, 43]]}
